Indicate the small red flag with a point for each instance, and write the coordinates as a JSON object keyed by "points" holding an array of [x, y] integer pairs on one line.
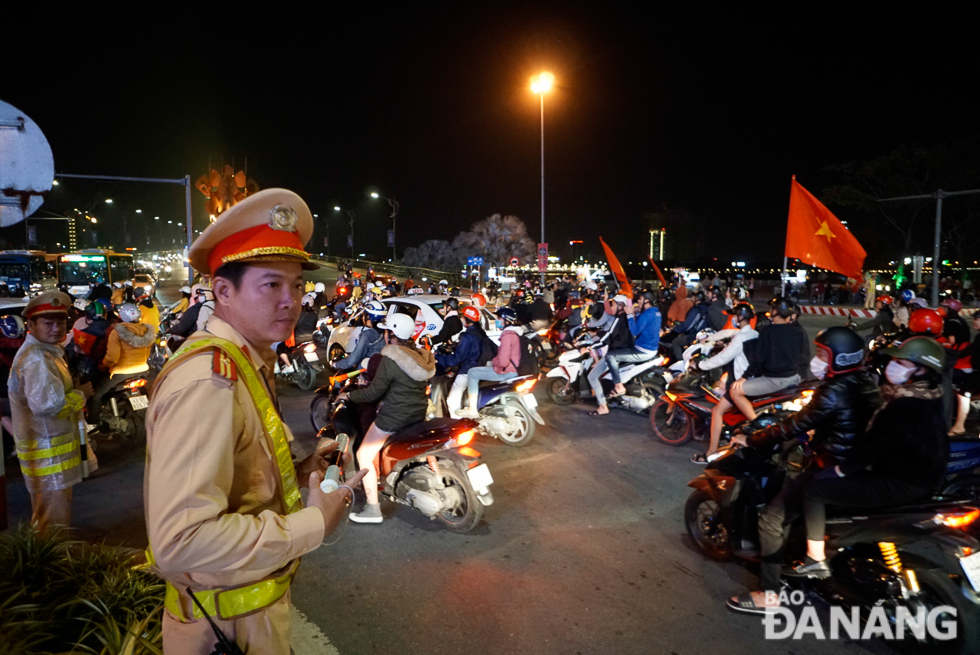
{"points": [[815, 236], [659, 274], [617, 269]]}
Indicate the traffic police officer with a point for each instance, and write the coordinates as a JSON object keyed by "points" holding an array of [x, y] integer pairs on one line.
{"points": [[46, 409], [223, 512]]}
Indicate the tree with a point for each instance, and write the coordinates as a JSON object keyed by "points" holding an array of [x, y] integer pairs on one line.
{"points": [[435, 254], [908, 171], [497, 239]]}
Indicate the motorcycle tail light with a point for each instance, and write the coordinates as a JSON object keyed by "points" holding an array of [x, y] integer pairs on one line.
{"points": [[135, 384], [464, 438], [309, 348], [526, 386], [543, 331], [959, 519]]}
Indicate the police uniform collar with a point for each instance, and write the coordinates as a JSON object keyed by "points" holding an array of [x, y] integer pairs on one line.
{"points": [[53, 348], [259, 356]]}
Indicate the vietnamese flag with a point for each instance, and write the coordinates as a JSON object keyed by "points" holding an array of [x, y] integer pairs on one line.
{"points": [[815, 236], [617, 269]]}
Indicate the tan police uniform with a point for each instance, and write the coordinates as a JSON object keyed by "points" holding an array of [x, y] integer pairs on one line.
{"points": [[46, 411], [223, 512]]}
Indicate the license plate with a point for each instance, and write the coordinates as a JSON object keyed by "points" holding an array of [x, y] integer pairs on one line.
{"points": [[312, 357], [480, 476], [530, 401], [139, 402], [971, 567]]}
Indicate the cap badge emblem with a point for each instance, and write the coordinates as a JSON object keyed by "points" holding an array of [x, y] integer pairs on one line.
{"points": [[283, 218]]}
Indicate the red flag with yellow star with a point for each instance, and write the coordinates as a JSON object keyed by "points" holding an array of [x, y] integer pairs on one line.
{"points": [[815, 236]]}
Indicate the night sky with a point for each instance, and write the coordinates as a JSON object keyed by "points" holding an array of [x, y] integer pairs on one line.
{"points": [[706, 111]]}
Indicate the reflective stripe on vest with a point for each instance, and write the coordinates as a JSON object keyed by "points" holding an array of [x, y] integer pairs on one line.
{"points": [[54, 468], [236, 601]]}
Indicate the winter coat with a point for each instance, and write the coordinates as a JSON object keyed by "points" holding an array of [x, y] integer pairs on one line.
{"points": [[369, 341], [466, 355], [128, 348], [400, 382], [838, 413], [645, 329], [681, 305], [451, 326], [509, 353]]}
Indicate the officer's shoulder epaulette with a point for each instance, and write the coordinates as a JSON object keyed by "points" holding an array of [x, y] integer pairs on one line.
{"points": [[223, 365]]}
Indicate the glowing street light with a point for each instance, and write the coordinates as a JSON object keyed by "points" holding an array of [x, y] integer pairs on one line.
{"points": [[108, 201], [541, 85], [394, 212]]}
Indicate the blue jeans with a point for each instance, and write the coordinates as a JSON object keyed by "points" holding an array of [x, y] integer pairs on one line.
{"points": [[478, 373], [626, 356]]}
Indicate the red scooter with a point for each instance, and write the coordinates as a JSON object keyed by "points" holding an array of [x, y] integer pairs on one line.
{"points": [[428, 466], [684, 410]]}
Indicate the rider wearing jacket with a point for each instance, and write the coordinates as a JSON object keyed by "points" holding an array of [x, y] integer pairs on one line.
{"points": [[644, 325], [400, 381], [465, 356], [838, 412], [884, 321], [502, 367], [695, 321], [618, 338], [451, 325], [900, 459], [369, 341]]}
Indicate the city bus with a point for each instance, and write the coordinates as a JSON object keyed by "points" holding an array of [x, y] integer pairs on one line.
{"points": [[82, 268], [25, 273]]}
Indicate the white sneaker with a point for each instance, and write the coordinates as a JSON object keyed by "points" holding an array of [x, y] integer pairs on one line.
{"points": [[468, 413], [287, 370], [369, 514]]}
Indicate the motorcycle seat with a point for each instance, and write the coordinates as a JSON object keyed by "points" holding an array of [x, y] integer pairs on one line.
{"points": [[415, 430]]}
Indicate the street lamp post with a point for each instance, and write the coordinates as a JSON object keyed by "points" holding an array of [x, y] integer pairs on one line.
{"points": [[541, 85], [394, 212], [350, 214]]}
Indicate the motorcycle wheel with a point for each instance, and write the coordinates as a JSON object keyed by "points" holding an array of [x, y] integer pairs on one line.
{"points": [[561, 392], [707, 529], [525, 431], [468, 513], [937, 590], [135, 432], [303, 375], [320, 412], [670, 424]]}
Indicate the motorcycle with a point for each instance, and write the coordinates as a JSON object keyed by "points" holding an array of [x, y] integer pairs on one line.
{"points": [[684, 410], [874, 554], [429, 466], [508, 409], [305, 364], [644, 382], [123, 410]]}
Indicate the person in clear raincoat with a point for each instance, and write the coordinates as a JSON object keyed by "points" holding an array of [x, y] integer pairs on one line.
{"points": [[46, 409]]}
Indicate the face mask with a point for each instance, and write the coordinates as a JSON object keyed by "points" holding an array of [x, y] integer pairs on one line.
{"points": [[499, 324], [818, 367], [897, 374]]}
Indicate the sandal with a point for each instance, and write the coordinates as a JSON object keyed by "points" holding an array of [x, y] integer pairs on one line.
{"points": [[699, 458], [743, 603], [596, 413]]}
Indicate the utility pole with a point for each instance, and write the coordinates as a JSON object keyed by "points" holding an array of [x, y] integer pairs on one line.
{"points": [[938, 195]]}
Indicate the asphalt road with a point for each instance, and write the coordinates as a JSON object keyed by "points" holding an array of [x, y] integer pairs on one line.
{"points": [[584, 551]]}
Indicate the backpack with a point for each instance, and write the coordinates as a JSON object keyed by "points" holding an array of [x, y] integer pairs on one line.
{"points": [[530, 350], [488, 349]]}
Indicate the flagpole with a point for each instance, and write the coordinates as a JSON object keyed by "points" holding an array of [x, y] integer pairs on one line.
{"points": [[782, 291]]}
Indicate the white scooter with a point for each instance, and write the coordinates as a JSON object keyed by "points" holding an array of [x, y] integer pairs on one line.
{"points": [[644, 382]]}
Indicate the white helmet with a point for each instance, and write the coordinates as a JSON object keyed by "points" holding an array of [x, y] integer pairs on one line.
{"points": [[202, 289], [319, 287], [444, 283], [81, 304], [129, 313], [128, 283], [308, 299], [185, 289], [401, 325], [370, 285], [592, 286]]}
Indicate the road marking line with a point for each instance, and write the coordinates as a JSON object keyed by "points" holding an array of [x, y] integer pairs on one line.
{"points": [[307, 638]]}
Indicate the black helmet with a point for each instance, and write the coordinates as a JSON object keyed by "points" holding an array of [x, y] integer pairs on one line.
{"points": [[507, 315], [652, 299], [454, 291], [845, 347], [666, 295], [714, 290], [698, 296], [784, 307], [743, 310], [452, 304]]}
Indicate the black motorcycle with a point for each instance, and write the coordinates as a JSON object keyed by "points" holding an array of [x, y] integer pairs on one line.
{"points": [[875, 555], [123, 411]]}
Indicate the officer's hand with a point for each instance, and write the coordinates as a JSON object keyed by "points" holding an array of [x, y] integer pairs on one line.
{"points": [[317, 461], [86, 390], [331, 505]]}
